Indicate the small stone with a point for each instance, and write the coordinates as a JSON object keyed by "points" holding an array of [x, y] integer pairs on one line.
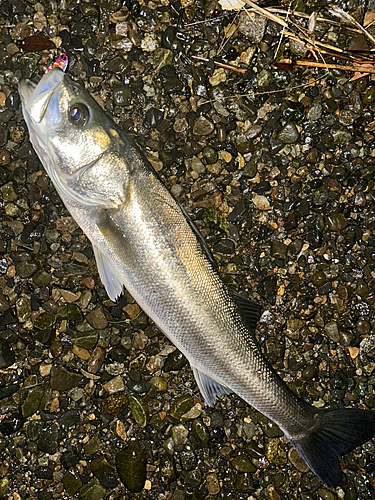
{"points": [[92, 491], [47, 441], [210, 155], [297, 461], [332, 332], [175, 361], [115, 403], [288, 134], [7, 356], [340, 134], [179, 434], [212, 483], [318, 279], [21, 31], [274, 453], [182, 405], [139, 409], [293, 328], [97, 319], [336, 222], [62, 379], [367, 346], [261, 202], [252, 26], [8, 193], [32, 401], [278, 250], [23, 309], [203, 126], [264, 78], [114, 385], [96, 360], [242, 464], [71, 481], [131, 467], [80, 352], [273, 494], [197, 166], [44, 320], [41, 278]]}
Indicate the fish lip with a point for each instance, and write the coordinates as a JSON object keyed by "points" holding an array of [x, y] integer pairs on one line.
{"points": [[36, 97]]}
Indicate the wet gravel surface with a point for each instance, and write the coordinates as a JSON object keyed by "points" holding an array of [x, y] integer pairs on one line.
{"points": [[94, 401]]}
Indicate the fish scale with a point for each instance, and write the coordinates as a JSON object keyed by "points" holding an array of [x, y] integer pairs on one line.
{"points": [[145, 242]]}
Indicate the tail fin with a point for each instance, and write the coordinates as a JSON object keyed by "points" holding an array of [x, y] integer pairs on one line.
{"points": [[339, 431]]}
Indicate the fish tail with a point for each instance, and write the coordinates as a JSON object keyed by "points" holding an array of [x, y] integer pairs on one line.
{"points": [[337, 432]]}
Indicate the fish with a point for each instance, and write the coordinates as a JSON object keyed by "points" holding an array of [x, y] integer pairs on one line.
{"points": [[146, 243]]}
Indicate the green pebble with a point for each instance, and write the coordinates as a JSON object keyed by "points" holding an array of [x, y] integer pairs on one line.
{"points": [[86, 340], [71, 481], [4, 486], [33, 429], [215, 219], [318, 279], [175, 361], [44, 320], [201, 431], [23, 309], [11, 423], [369, 96], [278, 250], [47, 441], [100, 466], [32, 401], [62, 379], [244, 482], [8, 193], [139, 409], [275, 454], [115, 403], [210, 155], [7, 356], [181, 406], [17, 134], [270, 429], [242, 464], [167, 468], [362, 288], [197, 166], [131, 467], [92, 491], [41, 278]]}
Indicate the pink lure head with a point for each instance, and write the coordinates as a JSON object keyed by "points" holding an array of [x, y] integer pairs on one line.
{"points": [[61, 62]]}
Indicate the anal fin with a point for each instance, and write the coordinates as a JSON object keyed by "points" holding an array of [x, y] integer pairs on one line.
{"points": [[109, 275], [209, 388]]}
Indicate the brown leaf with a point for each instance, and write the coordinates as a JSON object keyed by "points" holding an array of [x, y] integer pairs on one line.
{"points": [[37, 43]]}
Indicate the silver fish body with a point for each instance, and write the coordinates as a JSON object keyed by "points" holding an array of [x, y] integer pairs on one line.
{"points": [[144, 242]]}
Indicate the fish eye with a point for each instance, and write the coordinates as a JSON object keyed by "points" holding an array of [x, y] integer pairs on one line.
{"points": [[79, 114]]}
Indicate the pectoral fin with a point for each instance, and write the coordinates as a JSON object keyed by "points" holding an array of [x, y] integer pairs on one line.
{"points": [[108, 275], [209, 388]]}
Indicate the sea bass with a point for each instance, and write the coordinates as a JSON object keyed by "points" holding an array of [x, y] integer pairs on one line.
{"points": [[145, 242]]}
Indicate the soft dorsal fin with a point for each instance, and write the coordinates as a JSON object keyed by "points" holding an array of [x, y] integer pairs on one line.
{"points": [[250, 311], [209, 388]]}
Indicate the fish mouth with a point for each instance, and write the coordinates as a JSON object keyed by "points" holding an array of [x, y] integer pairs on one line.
{"points": [[37, 97]]}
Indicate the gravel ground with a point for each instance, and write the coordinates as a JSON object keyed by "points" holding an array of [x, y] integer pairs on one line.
{"points": [[95, 402]]}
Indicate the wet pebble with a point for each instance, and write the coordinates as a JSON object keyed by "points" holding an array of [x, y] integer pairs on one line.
{"points": [[203, 126], [288, 133], [131, 467]]}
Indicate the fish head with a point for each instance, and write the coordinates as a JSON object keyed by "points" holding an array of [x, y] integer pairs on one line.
{"points": [[71, 134]]}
